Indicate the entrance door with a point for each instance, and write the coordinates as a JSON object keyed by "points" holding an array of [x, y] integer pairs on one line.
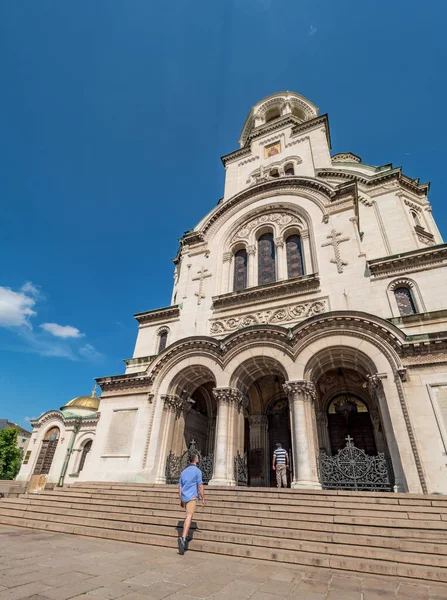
{"points": [[279, 431], [348, 415]]}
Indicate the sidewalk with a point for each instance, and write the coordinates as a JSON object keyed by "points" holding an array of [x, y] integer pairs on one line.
{"points": [[39, 565]]}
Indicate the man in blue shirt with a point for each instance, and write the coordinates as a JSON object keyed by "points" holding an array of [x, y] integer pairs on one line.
{"points": [[190, 488]]}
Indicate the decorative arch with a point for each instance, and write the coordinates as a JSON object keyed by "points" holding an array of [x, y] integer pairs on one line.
{"points": [[85, 450], [47, 450], [415, 296]]}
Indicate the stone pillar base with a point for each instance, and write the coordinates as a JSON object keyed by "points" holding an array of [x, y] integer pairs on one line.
{"points": [[160, 481], [306, 485], [222, 482]]}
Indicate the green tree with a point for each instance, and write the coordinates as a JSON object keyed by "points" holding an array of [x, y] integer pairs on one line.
{"points": [[10, 454]]}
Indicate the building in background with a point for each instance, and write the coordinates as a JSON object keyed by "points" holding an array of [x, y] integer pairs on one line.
{"points": [[308, 308], [23, 436]]}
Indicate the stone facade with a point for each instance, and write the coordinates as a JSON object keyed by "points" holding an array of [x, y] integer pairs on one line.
{"points": [[366, 322]]}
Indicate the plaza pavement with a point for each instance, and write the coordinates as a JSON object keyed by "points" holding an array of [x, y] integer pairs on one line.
{"points": [[40, 565]]}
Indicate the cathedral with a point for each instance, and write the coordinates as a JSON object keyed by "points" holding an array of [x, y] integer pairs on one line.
{"points": [[309, 308]]}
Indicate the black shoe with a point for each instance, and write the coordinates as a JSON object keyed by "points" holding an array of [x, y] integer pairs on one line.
{"points": [[187, 540], [181, 546]]}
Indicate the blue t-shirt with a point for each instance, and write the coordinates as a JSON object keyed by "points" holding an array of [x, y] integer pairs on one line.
{"points": [[190, 479]]}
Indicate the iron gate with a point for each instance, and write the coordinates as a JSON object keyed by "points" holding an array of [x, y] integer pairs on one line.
{"points": [[175, 465], [240, 469], [352, 469]]}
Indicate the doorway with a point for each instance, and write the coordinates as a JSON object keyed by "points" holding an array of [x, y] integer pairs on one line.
{"points": [[278, 415]]}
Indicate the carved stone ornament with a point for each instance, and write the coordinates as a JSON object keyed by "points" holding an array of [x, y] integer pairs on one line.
{"points": [[294, 312], [228, 395], [283, 219], [335, 241], [173, 403], [375, 382], [300, 390], [258, 419]]}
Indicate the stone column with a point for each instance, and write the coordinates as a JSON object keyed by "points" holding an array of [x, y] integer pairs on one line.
{"points": [[226, 273], [229, 406], [171, 406], [281, 262], [259, 441], [307, 254], [252, 279], [301, 396]]}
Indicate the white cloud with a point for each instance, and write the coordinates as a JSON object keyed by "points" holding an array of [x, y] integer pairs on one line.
{"points": [[312, 30], [62, 331], [16, 308], [89, 352], [32, 290]]}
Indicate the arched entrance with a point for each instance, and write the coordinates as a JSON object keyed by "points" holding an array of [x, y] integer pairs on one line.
{"points": [[345, 408], [278, 414], [348, 415], [47, 451], [267, 415]]}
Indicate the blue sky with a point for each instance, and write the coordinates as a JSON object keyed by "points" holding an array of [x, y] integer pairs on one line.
{"points": [[114, 116]]}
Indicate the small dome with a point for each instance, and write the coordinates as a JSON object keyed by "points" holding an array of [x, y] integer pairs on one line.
{"points": [[275, 106], [86, 402]]}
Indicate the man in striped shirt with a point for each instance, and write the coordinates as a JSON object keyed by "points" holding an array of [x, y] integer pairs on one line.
{"points": [[280, 465]]}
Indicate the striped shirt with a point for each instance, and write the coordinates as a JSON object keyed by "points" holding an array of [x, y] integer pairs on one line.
{"points": [[280, 456]]}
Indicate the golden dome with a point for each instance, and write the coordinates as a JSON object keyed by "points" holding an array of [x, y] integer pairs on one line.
{"points": [[87, 402]]}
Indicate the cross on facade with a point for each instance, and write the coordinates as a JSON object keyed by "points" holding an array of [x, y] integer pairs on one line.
{"points": [[335, 243], [202, 274], [349, 439]]}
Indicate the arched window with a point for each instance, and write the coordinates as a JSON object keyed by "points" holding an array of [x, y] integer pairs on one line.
{"points": [[405, 301], [289, 170], [85, 450], [240, 270], [273, 113], [294, 251], [266, 259], [162, 340], [47, 451], [274, 173], [416, 219]]}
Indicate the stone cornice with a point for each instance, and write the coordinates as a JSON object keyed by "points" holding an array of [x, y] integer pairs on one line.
{"points": [[65, 419], [406, 262], [279, 290], [421, 189], [420, 318], [130, 381], [168, 313]]}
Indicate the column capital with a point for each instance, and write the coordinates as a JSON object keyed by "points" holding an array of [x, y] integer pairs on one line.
{"points": [[227, 256], [173, 403], [279, 242], [258, 419], [251, 250], [229, 395], [300, 390]]}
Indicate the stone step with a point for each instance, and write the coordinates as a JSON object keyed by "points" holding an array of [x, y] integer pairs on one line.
{"points": [[206, 515], [381, 538], [336, 561], [285, 511], [256, 539], [262, 490], [256, 502], [281, 496]]}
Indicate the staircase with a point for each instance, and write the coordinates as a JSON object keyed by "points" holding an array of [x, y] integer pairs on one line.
{"points": [[382, 533]]}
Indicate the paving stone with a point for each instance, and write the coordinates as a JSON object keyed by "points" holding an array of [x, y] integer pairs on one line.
{"points": [[312, 585], [377, 595], [239, 587], [388, 584], [264, 596], [159, 590], [282, 574], [23, 591], [145, 579], [347, 595], [115, 591], [280, 588], [339, 582]]}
